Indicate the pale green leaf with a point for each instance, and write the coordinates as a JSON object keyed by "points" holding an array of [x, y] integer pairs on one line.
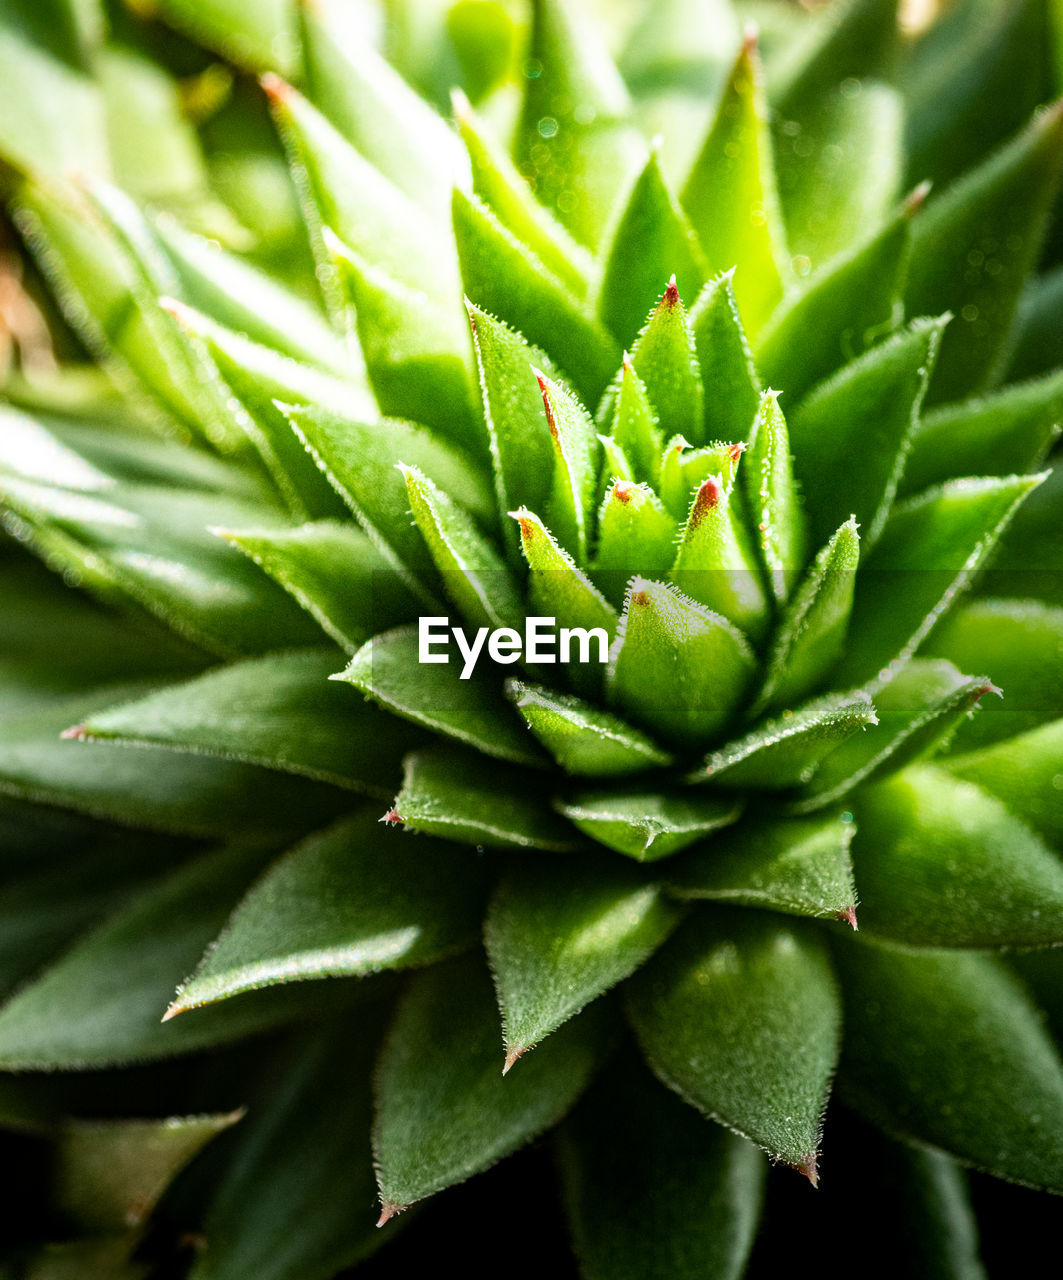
{"points": [[676, 667]]}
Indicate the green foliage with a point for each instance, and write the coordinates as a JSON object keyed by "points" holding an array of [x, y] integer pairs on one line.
{"points": [[718, 395]]}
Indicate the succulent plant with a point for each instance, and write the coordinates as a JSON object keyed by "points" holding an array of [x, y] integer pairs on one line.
{"points": [[754, 390]]}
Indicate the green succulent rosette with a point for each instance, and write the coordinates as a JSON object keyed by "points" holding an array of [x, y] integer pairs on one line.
{"points": [[738, 354]]}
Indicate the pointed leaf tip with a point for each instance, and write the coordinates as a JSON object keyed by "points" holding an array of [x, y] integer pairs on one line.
{"points": [[76, 732], [513, 1056], [278, 91], [849, 914], [388, 1210], [392, 818], [810, 1169]]}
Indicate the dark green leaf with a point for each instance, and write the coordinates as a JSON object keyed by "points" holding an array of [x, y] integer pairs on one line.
{"points": [[973, 247], [787, 751], [974, 76], [918, 709], [946, 1048], [388, 670], [154, 547], [297, 1195], [732, 392], [280, 712], [648, 825], [1020, 643], [998, 435], [443, 1110], [653, 240], [741, 1016], [75, 1015], [799, 866], [1025, 772], [344, 903], [928, 552], [473, 801], [503, 276], [941, 863], [110, 1174], [811, 635], [850, 39], [559, 934], [191, 794], [335, 572], [730, 194], [850, 435], [846, 307], [652, 1193], [582, 738]]}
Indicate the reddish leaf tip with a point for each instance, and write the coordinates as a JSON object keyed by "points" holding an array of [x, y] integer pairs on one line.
{"points": [[173, 1011], [640, 598], [544, 390], [388, 1210], [809, 1167], [671, 294], [622, 490], [849, 914], [750, 38], [392, 818], [278, 91], [513, 1056], [988, 687], [708, 496], [735, 451], [78, 732]]}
